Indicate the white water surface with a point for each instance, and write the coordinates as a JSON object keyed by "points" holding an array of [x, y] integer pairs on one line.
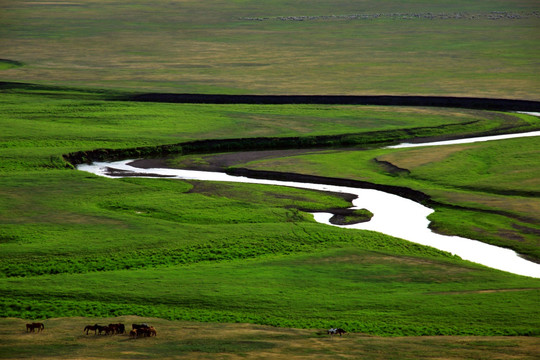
{"points": [[468, 140], [393, 215]]}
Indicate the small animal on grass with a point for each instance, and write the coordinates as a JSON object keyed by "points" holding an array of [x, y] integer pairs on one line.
{"points": [[335, 331], [31, 327], [88, 328]]}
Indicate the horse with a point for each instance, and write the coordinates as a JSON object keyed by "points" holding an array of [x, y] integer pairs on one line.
{"points": [[31, 327], [117, 328], [91, 327], [105, 329], [145, 331], [335, 331], [139, 326]]}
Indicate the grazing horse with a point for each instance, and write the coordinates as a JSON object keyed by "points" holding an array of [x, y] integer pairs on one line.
{"points": [[145, 331], [336, 331], [139, 326], [117, 328], [91, 327], [105, 329], [31, 327], [113, 328]]}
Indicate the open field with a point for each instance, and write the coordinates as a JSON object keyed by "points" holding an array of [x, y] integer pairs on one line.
{"points": [[240, 270], [467, 48], [63, 339], [74, 244]]}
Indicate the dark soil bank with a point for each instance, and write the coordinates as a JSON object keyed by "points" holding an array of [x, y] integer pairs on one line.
{"points": [[273, 175], [436, 101]]}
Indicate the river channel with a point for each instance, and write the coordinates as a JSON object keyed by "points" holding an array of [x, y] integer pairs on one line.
{"points": [[393, 215]]}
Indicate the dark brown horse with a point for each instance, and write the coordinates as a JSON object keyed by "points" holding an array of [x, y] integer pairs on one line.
{"points": [[88, 328], [105, 329], [143, 332], [31, 327], [117, 328]]}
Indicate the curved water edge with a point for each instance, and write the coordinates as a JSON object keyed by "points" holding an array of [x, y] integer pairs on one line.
{"points": [[393, 215], [468, 140]]}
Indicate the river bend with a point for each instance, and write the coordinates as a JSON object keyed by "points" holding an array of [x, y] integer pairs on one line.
{"points": [[393, 215]]}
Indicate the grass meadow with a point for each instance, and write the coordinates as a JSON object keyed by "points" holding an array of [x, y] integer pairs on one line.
{"points": [[63, 339], [240, 270], [74, 244], [486, 191], [464, 48]]}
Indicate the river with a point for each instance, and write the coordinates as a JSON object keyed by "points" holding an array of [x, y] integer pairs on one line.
{"points": [[393, 215]]}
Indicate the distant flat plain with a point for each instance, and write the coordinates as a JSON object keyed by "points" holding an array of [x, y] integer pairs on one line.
{"points": [[460, 48]]}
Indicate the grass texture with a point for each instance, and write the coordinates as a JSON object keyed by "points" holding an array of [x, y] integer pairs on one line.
{"points": [[460, 48], [74, 244]]}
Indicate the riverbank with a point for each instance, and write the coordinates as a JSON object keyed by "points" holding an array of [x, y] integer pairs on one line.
{"points": [[394, 215]]}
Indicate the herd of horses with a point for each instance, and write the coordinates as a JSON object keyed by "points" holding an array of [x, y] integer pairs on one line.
{"points": [[142, 330], [137, 330], [110, 329]]}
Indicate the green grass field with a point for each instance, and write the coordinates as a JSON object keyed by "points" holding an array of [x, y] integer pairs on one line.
{"points": [[245, 267], [74, 244], [486, 191]]}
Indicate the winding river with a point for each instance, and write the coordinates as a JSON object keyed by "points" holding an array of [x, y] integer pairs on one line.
{"points": [[393, 215]]}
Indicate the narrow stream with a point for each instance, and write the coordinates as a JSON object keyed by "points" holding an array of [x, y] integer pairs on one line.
{"points": [[393, 215]]}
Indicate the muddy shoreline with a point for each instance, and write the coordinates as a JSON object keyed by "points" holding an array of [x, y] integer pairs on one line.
{"points": [[337, 219], [339, 214]]}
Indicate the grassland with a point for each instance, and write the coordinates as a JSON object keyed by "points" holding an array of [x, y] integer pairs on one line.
{"points": [[244, 268], [74, 244], [214, 47], [63, 339], [486, 191]]}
